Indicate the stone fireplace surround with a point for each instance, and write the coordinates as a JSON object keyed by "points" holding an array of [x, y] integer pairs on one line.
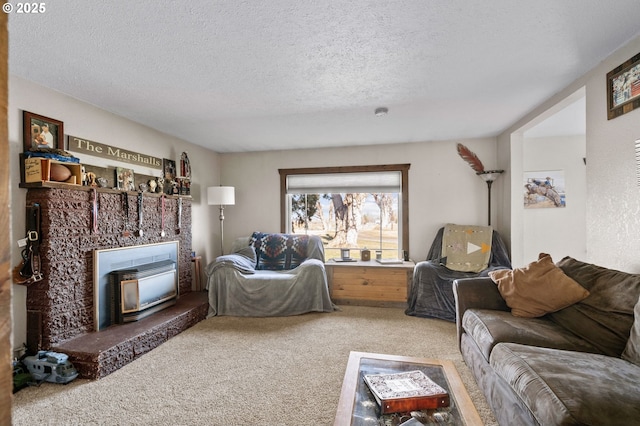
{"points": [[60, 307]]}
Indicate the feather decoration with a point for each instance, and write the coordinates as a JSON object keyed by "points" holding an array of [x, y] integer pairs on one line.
{"points": [[471, 158]]}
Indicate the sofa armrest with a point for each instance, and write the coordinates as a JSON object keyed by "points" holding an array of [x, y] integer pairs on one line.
{"points": [[476, 293]]}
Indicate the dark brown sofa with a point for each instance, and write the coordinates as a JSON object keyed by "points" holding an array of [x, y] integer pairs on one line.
{"points": [[578, 365]]}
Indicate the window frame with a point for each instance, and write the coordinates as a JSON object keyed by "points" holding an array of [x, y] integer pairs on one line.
{"points": [[402, 168]]}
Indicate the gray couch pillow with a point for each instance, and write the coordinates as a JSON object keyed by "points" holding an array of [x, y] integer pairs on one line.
{"points": [[632, 350]]}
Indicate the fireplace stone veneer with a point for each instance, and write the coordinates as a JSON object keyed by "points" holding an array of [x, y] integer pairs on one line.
{"points": [[60, 307]]}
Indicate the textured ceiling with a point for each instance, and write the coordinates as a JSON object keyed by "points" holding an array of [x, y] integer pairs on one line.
{"points": [[279, 74]]}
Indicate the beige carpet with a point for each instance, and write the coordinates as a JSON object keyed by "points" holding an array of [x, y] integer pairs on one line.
{"points": [[245, 371]]}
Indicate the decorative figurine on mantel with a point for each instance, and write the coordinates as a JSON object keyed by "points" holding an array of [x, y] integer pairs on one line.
{"points": [[152, 185], [160, 189], [91, 179], [185, 166]]}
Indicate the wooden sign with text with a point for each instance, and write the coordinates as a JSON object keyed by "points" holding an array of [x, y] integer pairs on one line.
{"points": [[101, 150]]}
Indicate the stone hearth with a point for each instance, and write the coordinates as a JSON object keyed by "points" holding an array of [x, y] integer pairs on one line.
{"points": [[98, 354]]}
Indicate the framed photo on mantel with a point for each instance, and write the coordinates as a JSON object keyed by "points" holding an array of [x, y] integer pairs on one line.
{"points": [[125, 179], [42, 132], [168, 169]]}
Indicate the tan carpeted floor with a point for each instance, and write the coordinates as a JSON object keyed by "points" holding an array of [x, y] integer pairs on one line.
{"points": [[245, 371]]}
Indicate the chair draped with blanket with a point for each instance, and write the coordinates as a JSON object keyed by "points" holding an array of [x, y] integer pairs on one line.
{"points": [[458, 251], [269, 274]]}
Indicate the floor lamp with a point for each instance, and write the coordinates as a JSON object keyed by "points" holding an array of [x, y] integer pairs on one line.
{"points": [[221, 196], [489, 176]]}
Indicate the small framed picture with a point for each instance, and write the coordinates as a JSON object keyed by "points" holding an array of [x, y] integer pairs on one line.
{"points": [[42, 132], [125, 179], [168, 169], [623, 88]]}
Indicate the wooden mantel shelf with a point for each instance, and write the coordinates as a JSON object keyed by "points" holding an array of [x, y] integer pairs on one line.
{"points": [[62, 185]]}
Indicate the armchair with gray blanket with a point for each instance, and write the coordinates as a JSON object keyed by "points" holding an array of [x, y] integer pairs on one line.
{"points": [[269, 275], [431, 293]]}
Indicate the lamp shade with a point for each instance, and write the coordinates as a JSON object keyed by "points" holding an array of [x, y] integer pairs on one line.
{"points": [[490, 175], [221, 195]]}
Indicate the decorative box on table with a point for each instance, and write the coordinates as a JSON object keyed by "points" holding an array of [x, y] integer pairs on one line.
{"points": [[406, 391]]}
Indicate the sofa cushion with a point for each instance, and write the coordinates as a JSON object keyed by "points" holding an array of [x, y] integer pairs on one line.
{"points": [[606, 316], [567, 387], [538, 288], [489, 327], [632, 350], [278, 252]]}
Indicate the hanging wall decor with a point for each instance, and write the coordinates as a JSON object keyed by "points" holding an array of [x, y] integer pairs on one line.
{"points": [[101, 150], [42, 132], [638, 161], [544, 189], [623, 88]]}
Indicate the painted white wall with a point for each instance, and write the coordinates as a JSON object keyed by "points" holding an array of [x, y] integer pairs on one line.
{"points": [[442, 187], [86, 121], [613, 196], [558, 231]]}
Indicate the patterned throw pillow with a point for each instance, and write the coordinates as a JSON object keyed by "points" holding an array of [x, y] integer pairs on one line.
{"points": [[279, 252]]}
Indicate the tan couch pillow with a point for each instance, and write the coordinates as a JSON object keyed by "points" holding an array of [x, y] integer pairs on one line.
{"points": [[537, 289]]}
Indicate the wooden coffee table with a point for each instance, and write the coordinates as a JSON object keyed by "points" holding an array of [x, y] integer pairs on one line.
{"points": [[358, 407]]}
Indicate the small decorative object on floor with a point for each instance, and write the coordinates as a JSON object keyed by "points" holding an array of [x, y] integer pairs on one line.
{"points": [[51, 367], [21, 377], [406, 391]]}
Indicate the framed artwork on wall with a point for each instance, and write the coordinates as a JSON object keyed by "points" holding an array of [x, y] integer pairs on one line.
{"points": [[42, 132], [544, 189], [638, 162], [623, 88]]}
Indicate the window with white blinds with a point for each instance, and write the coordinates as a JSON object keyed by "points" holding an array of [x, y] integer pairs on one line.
{"points": [[349, 207]]}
